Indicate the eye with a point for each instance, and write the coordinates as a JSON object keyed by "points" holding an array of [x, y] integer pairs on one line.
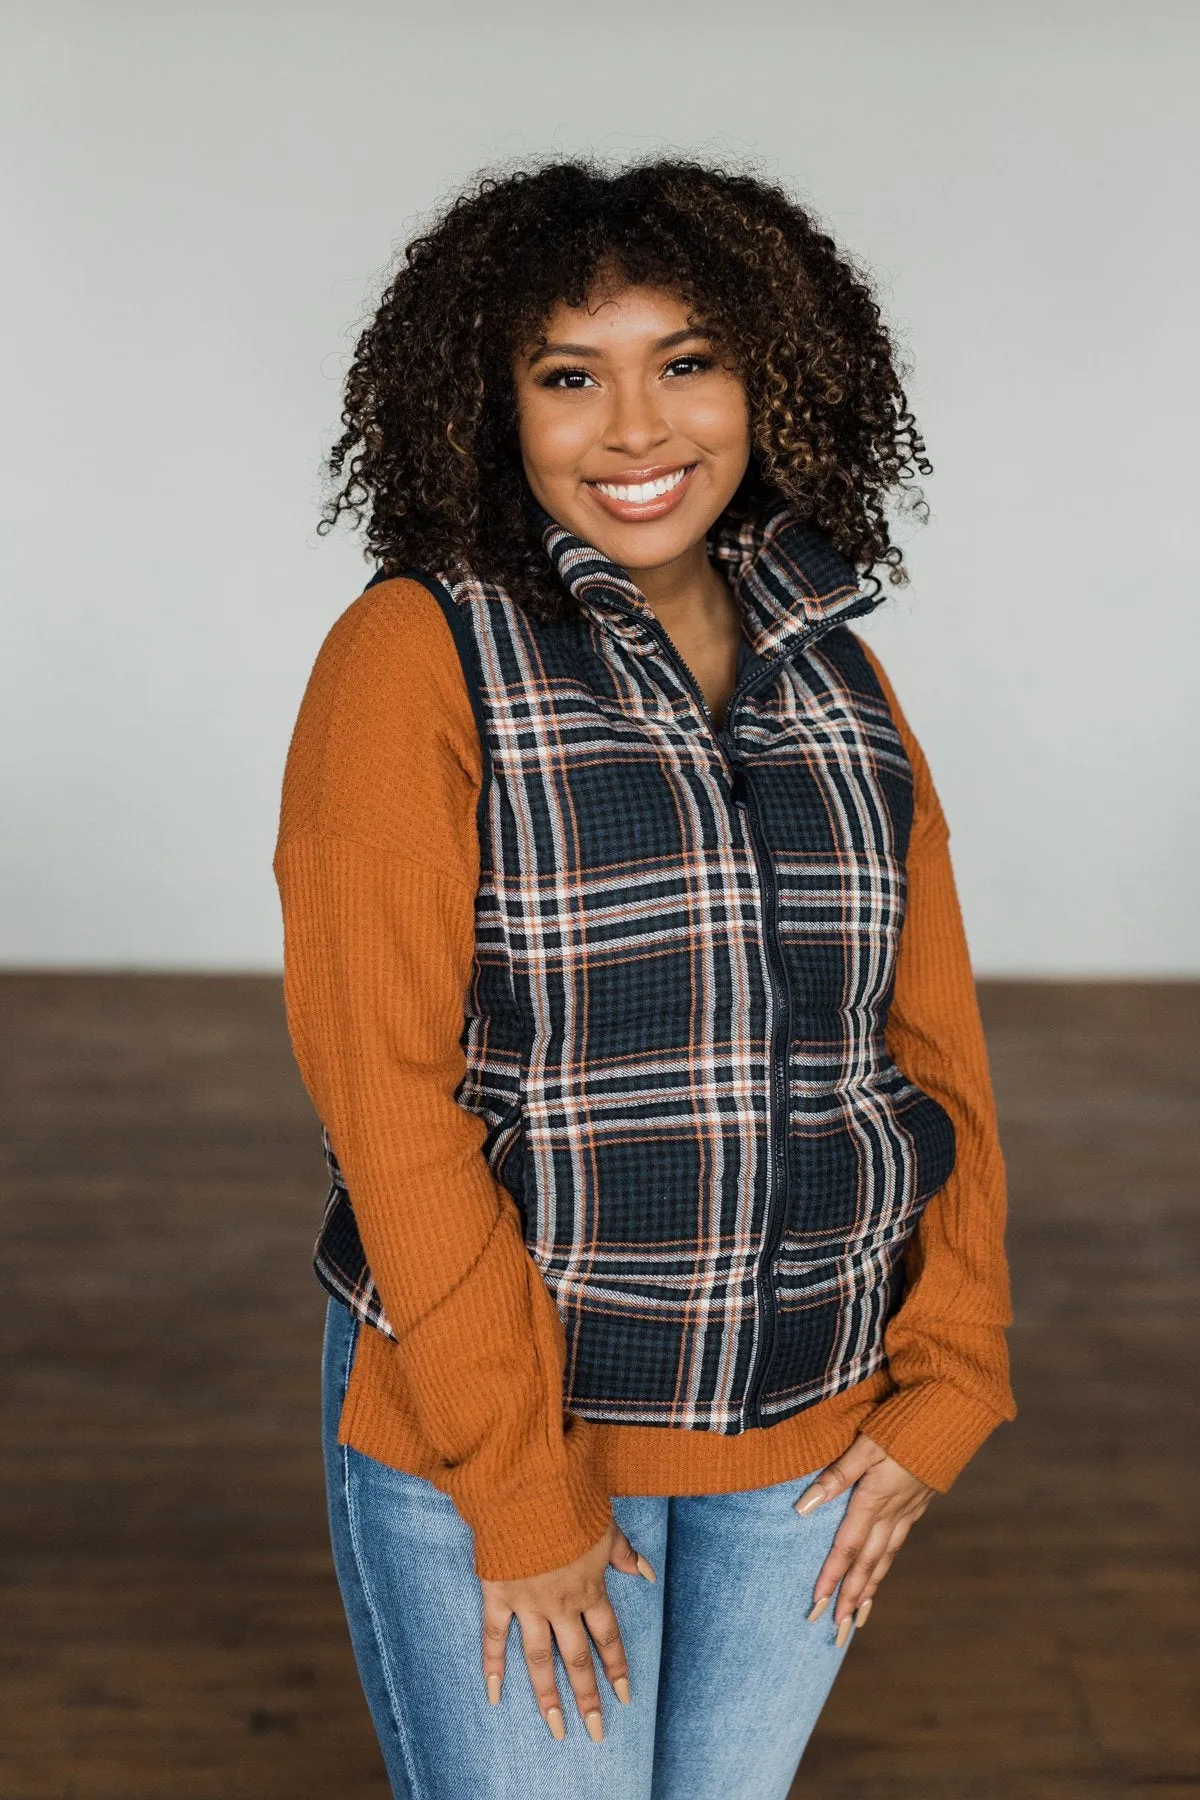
{"points": [[688, 365], [565, 378]]}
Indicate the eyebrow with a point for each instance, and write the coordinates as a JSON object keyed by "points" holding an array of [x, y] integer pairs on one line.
{"points": [[665, 343]]}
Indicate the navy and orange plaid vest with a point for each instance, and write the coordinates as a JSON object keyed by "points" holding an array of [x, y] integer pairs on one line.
{"points": [[686, 942]]}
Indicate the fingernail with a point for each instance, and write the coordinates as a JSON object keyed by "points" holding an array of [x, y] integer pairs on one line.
{"points": [[621, 1689], [645, 1569], [818, 1609], [493, 1682], [843, 1632], [860, 1617], [556, 1722], [809, 1501], [595, 1726]]}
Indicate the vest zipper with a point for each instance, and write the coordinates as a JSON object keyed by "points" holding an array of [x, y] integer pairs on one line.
{"points": [[781, 999]]}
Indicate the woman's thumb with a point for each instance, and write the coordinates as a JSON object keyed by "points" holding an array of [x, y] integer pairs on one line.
{"points": [[840, 1475], [623, 1556]]}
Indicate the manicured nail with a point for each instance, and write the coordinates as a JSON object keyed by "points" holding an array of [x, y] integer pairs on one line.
{"points": [[860, 1617], [818, 1609], [810, 1501], [493, 1682], [595, 1727], [843, 1632], [645, 1569], [621, 1689], [556, 1722]]}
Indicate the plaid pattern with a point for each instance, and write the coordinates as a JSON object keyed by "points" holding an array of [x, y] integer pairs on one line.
{"points": [[685, 950]]}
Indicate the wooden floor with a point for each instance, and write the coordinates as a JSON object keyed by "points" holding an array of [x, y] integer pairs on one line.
{"points": [[171, 1629]]}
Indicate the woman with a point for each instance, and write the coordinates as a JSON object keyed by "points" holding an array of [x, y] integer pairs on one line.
{"points": [[625, 971]]}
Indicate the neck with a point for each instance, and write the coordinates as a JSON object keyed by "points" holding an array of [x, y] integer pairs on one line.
{"points": [[688, 589]]}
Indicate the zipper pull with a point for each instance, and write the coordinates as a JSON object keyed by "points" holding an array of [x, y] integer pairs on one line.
{"points": [[738, 785]]}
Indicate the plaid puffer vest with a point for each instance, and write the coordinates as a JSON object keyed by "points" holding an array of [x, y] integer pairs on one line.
{"points": [[686, 942]]}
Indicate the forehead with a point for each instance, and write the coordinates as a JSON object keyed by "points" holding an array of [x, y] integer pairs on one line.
{"points": [[617, 315]]}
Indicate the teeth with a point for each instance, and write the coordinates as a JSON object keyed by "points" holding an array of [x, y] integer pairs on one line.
{"points": [[641, 491]]}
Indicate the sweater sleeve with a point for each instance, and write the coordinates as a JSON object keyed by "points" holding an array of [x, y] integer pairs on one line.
{"points": [[377, 865], [945, 1344]]}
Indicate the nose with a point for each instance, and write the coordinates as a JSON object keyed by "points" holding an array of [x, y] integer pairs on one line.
{"points": [[636, 424]]}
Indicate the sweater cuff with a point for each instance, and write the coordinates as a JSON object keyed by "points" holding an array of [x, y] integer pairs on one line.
{"points": [[932, 1430], [544, 1524]]}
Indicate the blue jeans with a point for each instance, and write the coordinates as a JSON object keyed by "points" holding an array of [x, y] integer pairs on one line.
{"points": [[727, 1676]]}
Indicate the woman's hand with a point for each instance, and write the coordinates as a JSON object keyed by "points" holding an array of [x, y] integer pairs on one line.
{"points": [[570, 1607], [885, 1505]]}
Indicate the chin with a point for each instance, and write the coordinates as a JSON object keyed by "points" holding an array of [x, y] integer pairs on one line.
{"points": [[646, 546]]}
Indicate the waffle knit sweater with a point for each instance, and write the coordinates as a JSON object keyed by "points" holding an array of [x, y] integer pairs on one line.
{"points": [[377, 864]]}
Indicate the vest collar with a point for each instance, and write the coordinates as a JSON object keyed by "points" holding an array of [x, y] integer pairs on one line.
{"points": [[787, 578]]}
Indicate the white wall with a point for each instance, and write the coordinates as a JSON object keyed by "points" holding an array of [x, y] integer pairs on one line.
{"points": [[201, 197]]}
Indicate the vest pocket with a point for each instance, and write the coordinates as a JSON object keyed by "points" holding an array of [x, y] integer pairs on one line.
{"points": [[504, 1150]]}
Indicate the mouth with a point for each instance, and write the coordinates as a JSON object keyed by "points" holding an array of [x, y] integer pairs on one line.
{"points": [[643, 493]]}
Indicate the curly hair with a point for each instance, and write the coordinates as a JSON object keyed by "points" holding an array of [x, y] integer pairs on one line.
{"points": [[428, 457]]}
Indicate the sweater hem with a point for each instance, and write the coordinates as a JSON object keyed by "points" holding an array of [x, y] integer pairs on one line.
{"points": [[626, 1459]]}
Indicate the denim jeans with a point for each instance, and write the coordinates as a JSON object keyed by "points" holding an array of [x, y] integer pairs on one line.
{"points": [[727, 1676]]}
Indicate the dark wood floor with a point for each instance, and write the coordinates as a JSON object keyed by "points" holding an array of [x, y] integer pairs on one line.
{"points": [[171, 1630]]}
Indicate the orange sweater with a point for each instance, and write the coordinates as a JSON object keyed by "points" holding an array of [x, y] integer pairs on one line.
{"points": [[377, 865]]}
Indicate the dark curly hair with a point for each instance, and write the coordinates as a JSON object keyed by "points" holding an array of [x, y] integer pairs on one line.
{"points": [[429, 458]]}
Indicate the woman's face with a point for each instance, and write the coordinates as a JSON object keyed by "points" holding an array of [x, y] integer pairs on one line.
{"points": [[634, 432]]}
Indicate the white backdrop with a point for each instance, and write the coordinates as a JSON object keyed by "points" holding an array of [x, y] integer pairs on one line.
{"points": [[201, 199]]}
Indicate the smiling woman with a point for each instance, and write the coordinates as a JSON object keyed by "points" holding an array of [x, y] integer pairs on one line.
{"points": [[636, 442], [633, 394], [430, 415], [625, 971]]}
